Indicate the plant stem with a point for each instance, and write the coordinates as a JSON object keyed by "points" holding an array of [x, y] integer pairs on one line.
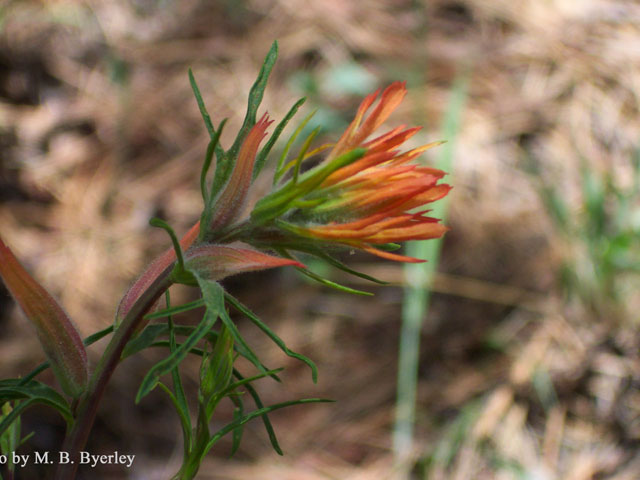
{"points": [[87, 408]]}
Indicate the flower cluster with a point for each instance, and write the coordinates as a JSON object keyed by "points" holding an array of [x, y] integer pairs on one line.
{"points": [[365, 193]]}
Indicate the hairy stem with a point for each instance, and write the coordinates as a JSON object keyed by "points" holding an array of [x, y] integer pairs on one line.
{"points": [[87, 408]]}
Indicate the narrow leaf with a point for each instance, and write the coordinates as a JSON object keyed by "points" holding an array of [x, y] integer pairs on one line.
{"points": [[185, 420], [242, 346], [256, 413], [280, 168], [238, 413], [255, 98], [181, 399], [261, 159], [185, 307], [272, 335], [203, 109], [144, 340], [165, 366], [12, 389], [265, 418]]}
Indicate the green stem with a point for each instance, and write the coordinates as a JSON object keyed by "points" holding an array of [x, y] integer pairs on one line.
{"points": [[77, 437]]}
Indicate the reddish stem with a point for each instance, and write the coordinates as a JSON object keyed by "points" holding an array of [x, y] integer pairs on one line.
{"points": [[77, 437]]}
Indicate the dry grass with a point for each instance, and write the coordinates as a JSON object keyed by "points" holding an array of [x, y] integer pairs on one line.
{"points": [[99, 131]]}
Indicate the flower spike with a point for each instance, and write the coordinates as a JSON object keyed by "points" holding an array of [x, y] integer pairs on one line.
{"points": [[364, 194]]}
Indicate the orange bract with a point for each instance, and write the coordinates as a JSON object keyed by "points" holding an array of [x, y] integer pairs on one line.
{"points": [[370, 201]]}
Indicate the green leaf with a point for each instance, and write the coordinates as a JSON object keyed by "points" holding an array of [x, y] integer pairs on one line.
{"points": [[32, 392], [255, 98], [272, 335], [213, 295], [240, 383], [280, 168], [144, 340], [207, 163], [181, 404], [238, 413], [341, 266], [261, 159], [203, 109], [14, 415], [256, 413], [165, 366], [185, 420], [330, 284], [10, 439], [242, 346], [166, 312], [159, 223], [265, 418]]}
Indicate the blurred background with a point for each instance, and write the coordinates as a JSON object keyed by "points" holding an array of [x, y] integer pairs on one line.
{"points": [[528, 364]]}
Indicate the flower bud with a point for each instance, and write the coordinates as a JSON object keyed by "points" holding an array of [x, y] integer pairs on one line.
{"points": [[231, 201], [59, 339], [216, 370]]}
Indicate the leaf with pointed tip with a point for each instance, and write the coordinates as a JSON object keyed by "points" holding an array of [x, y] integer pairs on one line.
{"points": [[211, 148], [144, 339], [256, 413], [166, 365], [203, 109], [322, 280], [272, 335], [255, 98], [238, 412], [243, 347], [334, 285], [261, 159], [33, 392], [213, 294], [341, 266], [265, 418], [185, 420], [185, 307], [281, 168], [181, 405]]}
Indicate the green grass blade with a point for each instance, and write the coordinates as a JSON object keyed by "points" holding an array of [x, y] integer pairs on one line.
{"points": [[416, 295]]}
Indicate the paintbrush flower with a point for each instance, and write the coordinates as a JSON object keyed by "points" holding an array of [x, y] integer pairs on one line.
{"points": [[366, 194]]}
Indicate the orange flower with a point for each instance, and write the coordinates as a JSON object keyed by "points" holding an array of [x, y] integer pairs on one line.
{"points": [[365, 193]]}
